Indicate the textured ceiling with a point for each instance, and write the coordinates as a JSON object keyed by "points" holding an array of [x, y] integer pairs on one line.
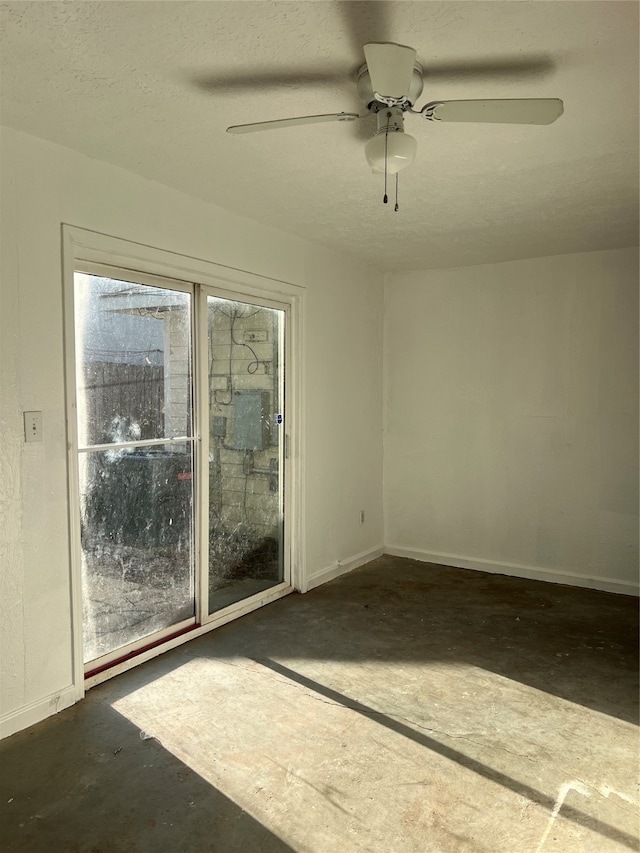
{"points": [[151, 86]]}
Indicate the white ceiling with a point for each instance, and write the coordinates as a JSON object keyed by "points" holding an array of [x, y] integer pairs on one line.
{"points": [[151, 86]]}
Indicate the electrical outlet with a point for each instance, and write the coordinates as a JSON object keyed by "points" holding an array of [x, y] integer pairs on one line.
{"points": [[361, 516], [32, 426]]}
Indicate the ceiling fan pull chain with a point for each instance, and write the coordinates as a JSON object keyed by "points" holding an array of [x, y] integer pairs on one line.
{"points": [[386, 136], [396, 207]]}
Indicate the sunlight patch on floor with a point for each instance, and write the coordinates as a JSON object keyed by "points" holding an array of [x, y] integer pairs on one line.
{"points": [[313, 770]]}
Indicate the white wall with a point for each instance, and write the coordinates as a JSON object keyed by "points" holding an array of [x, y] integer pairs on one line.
{"points": [[511, 417], [44, 185]]}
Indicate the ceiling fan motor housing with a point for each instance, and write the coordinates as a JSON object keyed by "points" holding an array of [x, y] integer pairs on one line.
{"points": [[390, 120], [367, 96]]}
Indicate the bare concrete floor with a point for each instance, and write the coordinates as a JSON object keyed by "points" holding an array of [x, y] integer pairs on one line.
{"points": [[403, 707]]}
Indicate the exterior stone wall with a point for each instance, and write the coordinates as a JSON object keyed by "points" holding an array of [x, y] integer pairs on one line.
{"points": [[240, 490]]}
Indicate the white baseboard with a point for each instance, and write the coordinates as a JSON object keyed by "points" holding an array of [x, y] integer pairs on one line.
{"points": [[37, 711], [342, 567], [516, 570]]}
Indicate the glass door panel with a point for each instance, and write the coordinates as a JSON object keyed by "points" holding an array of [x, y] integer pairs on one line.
{"points": [[135, 461], [246, 415]]}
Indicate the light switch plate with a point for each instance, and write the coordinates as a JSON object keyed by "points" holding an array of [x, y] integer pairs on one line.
{"points": [[32, 426]]}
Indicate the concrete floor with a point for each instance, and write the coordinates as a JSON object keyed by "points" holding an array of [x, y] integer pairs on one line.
{"points": [[402, 707]]}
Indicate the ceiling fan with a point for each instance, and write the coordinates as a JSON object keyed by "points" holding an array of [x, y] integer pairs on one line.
{"points": [[389, 84]]}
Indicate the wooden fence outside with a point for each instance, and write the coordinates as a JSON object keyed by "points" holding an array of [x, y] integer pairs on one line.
{"points": [[118, 396]]}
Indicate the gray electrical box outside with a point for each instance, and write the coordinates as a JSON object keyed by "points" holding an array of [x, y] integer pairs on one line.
{"points": [[218, 426], [251, 428]]}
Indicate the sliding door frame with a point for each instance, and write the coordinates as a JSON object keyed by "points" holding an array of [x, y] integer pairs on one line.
{"points": [[106, 661], [85, 250], [202, 397]]}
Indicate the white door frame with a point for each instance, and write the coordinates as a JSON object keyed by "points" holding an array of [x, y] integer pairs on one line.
{"points": [[81, 246], [202, 397]]}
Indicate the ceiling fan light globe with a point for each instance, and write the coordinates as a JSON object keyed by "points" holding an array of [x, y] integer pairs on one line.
{"points": [[401, 151]]}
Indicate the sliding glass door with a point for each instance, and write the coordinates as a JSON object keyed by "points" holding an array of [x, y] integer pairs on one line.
{"points": [[135, 461], [180, 483], [245, 345]]}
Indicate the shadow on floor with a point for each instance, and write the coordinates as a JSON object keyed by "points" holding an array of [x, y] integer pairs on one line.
{"points": [[86, 782], [578, 644], [530, 794]]}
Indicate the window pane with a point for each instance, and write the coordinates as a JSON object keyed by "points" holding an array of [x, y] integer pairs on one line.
{"points": [[133, 361], [136, 523], [246, 459]]}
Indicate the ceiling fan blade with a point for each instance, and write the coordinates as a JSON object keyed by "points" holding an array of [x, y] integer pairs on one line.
{"points": [[291, 122], [257, 79], [525, 66], [390, 69], [508, 111]]}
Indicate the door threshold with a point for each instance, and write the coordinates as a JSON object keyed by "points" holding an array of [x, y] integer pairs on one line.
{"points": [[234, 611], [102, 667]]}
